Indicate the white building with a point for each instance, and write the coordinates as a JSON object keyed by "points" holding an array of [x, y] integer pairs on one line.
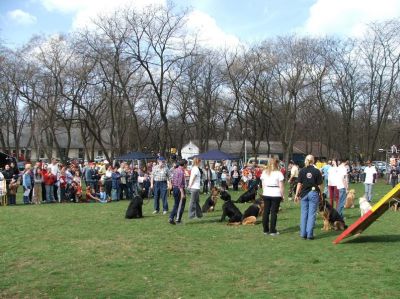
{"points": [[189, 150]]}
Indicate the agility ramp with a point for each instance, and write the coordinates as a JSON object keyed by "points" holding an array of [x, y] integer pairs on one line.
{"points": [[368, 218]]}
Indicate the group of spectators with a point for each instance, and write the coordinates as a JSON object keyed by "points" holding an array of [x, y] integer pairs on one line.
{"points": [[55, 182]]}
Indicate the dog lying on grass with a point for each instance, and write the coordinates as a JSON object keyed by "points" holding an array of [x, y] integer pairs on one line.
{"points": [[248, 196], [350, 199], [230, 210], [252, 212], [331, 217], [211, 201], [134, 209]]}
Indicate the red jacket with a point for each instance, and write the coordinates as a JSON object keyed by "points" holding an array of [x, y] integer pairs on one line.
{"points": [[49, 179]]}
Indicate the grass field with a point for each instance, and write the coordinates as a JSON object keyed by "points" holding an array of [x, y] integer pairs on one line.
{"points": [[91, 251]]}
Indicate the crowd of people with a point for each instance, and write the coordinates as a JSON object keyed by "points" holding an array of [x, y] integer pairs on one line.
{"points": [[103, 182]]}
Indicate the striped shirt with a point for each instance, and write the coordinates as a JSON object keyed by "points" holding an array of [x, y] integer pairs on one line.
{"points": [[178, 179], [160, 174]]}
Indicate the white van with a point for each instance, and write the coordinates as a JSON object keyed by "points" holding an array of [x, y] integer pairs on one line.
{"points": [[262, 159]]}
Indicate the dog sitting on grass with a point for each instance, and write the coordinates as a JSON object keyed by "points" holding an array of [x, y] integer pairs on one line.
{"points": [[252, 212], [230, 210], [350, 199], [134, 209], [331, 217], [211, 201], [365, 206]]}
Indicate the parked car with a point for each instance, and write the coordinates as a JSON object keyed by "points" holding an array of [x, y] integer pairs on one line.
{"points": [[99, 159], [381, 166], [21, 165]]}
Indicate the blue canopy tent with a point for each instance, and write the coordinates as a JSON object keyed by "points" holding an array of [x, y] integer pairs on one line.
{"points": [[135, 156], [216, 155]]}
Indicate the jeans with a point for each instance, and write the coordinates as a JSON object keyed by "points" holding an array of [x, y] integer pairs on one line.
{"points": [[368, 192], [160, 190], [49, 193], [194, 205], [271, 207], [309, 206], [179, 205], [342, 201]]}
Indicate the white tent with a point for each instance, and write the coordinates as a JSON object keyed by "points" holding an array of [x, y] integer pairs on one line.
{"points": [[189, 150]]}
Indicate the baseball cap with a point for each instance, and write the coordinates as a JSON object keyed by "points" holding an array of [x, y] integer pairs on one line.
{"points": [[161, 159]]}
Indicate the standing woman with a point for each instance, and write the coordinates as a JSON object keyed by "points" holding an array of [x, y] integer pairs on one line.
{"points": [[27, 183], [194, 186], [273, 193], [308, 190]]}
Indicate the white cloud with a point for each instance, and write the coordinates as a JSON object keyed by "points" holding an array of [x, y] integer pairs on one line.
{"points": [[200, 23], [348, 17], [208, 32], [21, 17]]}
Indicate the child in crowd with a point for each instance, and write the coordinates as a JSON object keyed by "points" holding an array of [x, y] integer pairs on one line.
{"points": [[91, 195], [12, 194], [102, 195]]}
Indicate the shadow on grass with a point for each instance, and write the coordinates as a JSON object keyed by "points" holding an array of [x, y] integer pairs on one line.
{"points": [[375, 239]]}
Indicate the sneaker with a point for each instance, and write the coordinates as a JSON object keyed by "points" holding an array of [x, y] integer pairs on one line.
{"points": [[266, 234], [178, 222], [164, 212], [274, 234], [155, 212], [171, 221], [310, 238]]}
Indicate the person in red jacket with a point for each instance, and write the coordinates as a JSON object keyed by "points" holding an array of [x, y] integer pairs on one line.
{"points": [[49, 180]]}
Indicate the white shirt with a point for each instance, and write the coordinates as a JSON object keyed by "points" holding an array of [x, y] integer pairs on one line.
{"points": [[54, 169], [369, 174], [194, 181], [332, 175], [341, 175], [270, 183]]}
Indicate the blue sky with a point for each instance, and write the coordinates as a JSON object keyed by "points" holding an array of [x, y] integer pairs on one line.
{"points": [[218, 21]]}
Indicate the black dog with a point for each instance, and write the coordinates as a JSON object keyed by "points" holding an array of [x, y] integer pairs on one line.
{"points": [[252, 212], [135, 208], [229, 209], [248, 196]]}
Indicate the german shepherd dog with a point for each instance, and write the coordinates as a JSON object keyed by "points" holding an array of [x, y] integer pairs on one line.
{"points": [[331, 217], [211, 201], [252, 212], [248, 196], [230, 210]]}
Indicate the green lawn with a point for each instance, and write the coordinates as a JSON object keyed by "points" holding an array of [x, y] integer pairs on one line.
{"points": [[91, 251]]}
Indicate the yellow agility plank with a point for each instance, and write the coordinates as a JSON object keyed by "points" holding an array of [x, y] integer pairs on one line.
{"points": [[368, 218]]}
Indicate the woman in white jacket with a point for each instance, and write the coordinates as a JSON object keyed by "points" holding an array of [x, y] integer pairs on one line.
{"points": [[194, 186]]}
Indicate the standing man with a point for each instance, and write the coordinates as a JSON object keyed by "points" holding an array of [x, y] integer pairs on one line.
{"points": [[370, 178], [308, 192], [56, 173], [159, 184], [324, 171], [178, 188], [342, 185], [294, 175]]}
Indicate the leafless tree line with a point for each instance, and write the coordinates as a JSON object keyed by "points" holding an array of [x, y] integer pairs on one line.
{"points": [[139, 81]]}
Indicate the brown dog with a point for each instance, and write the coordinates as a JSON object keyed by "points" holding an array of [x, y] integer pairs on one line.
{"points": [[252, 212], [331, 217], [350, 199], [211, 201]]}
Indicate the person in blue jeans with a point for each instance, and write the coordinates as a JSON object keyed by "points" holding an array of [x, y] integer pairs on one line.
{"points": [[308, 192]]}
